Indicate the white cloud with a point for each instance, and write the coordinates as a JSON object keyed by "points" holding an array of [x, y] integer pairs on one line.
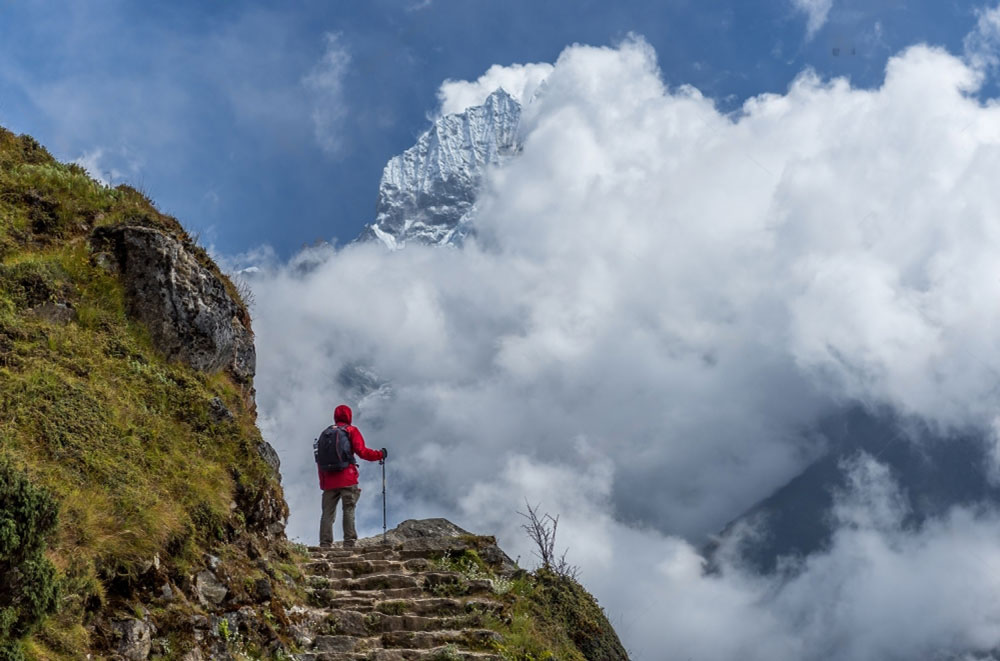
{"points": [[103, 166], [982, 45], [520, 80], [662, 303], [326, 83], [91, 162], [816, 12]]}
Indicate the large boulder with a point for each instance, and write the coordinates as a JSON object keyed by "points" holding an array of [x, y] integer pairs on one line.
{"points": [[441, 535], [190, 314], [132, 638], [414, 529], [209, 589]]}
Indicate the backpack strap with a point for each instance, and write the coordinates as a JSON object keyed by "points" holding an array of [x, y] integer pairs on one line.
{"points": [[351, 459]]}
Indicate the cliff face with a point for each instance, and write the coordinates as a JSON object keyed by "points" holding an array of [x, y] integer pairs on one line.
{"points": [[141, 511]]}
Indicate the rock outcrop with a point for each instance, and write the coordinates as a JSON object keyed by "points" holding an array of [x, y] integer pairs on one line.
{"points": [[443, 536], [190, 315]]}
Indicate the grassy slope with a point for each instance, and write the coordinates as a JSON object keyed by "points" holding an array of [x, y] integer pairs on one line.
{"points": [[122, 439]]}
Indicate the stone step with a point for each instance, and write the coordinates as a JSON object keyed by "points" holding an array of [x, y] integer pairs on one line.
{"points": [[330, 579], [324, 598], [360, 604], [322, 576], [334, 656], [373, 582], [323, 583], [444, 652], [438, 606], [366, 566], [418, 564], [391, 623], [476, 638], [350, 622], [451, 584], [358, 623], [325, 569], [394, 593], [432, 578], [368, 553], [344, 643]]}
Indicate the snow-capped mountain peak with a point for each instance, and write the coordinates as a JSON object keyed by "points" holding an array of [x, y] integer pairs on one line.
{"points": [[428, 193]]}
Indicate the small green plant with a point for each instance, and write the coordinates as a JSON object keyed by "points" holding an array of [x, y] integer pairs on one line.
{"points": [[238, 646], [446, 590], [470, 565], [523, 640], [392, 607], [373, 621], [501, 585], [27, 518], [448, 653]]}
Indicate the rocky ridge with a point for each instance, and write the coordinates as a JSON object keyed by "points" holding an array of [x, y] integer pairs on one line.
{"points": [[428, 193]]}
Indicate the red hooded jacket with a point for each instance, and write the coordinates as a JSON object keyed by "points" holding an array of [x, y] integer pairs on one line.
{"points": [[349, 476]]}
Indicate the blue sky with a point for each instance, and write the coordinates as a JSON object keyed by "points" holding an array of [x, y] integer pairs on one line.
{"points": [[270, 122]]}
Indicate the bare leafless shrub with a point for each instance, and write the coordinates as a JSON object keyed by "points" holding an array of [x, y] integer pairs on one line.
{"points": [[244, 290], [541, 529]]}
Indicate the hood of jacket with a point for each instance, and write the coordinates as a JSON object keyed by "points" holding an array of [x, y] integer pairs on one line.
{"points": [[342, 415]]}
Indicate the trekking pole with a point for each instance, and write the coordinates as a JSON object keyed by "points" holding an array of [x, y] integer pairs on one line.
{"points": [[383, 501]]}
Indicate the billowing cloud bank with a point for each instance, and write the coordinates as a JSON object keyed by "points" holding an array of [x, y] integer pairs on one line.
{"points": [[661, 303]]}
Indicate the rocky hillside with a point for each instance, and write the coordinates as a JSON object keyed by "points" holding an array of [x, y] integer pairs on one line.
{"points": [[137, 498], [141, 511]]}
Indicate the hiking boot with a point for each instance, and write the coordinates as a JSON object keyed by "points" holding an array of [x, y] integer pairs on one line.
{"points": [[349, 544]]}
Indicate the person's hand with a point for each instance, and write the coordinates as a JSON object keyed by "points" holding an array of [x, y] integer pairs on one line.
{"points": [[385, 454]]}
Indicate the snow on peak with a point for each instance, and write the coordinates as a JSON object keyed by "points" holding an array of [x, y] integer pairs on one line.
{"points": [[428, 193]]}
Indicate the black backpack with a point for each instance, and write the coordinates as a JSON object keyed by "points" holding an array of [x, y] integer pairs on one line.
{"points": [[333, 449]]}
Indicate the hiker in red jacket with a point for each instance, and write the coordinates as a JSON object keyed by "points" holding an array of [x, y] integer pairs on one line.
{"points": [[342, 484]]}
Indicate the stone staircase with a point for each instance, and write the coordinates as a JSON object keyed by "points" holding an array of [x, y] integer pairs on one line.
{"points": [[393, 602]]}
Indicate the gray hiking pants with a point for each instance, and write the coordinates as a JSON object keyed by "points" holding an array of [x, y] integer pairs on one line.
{"points": [[330, 499]]}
